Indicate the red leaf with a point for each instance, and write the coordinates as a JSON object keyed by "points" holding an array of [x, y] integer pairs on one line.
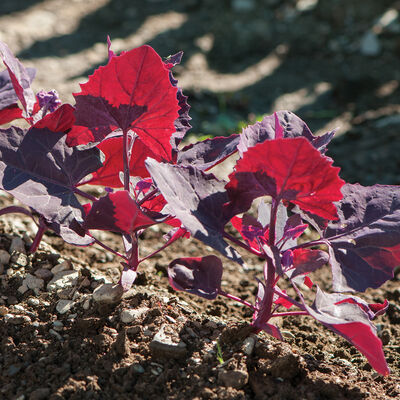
{"points": [[10, 113], [286, 169], [59, 120], [133, 91], [108, 174], [117, 212]]}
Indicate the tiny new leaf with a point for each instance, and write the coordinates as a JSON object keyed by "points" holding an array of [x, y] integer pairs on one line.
{"points": [[200, 276], [365, 240], [133, 91]]}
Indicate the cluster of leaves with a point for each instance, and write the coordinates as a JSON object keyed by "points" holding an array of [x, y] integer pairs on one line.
{"points": [[124, 134]]}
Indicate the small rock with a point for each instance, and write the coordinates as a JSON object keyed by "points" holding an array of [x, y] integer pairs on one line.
{"points": [[370, 45], [23, 288], [137, 368], [63, 266], [62, 280], [3, 310], [127, 316], [33, 301], [58, 325], [18, 245], [248, 345], [40, 394], [4, 257], [17, 319], [33, 282], [64, 306], [235, 378], [121, 344], [19, 260], [56, 334], [43, 273], [108, 293], [163, 345], [1, 269], [86, 304]]}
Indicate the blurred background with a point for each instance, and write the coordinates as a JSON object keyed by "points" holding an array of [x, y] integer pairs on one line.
{"points": [[335, 63]]}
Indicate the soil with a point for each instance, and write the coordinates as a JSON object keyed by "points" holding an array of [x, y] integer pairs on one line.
{"points": [[242, 59]]}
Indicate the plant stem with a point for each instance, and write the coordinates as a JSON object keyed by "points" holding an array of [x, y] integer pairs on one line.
{"points": [[283, 314], [104, 246], [238, 299], [148, 196], [39, 235], [125, 156], [288, 298], [85, 195], [243, 245]]}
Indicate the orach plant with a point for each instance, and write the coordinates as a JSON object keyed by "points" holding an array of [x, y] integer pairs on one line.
{"points": [[124, 133]]}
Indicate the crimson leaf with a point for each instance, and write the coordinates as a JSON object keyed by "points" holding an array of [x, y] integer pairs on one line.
{"points": [[286, 169], [365, 240], [118, 212], [200, 276], [108, 174], [290, 126], [41, 171], [133, 91], [349, 320], [197, 200]]}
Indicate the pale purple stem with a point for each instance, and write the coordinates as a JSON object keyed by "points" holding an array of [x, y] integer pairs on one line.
{"points": [[284, 314], [288, 298], [38, 238], [238, 299], [241, 244], [85, 195], [104, 246]]}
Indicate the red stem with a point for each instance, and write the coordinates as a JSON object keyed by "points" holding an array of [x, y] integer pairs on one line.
{"points": [[238, 299], [243, 245], [283, 314], [125, 156]]}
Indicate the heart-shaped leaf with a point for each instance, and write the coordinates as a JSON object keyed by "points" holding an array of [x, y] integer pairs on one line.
{"points": [[286, 169], [133, 91]]}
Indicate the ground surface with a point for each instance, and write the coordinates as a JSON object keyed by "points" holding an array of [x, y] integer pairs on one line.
{"points": [[334, 64]]}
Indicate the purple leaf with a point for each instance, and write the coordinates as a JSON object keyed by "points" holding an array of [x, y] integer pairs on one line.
{"points": [[294, 227], [41, 171], [200, 276], [349, 320], [365, 241], [290, 126], [197, 200], [208, 153], [182, 124], [20, 77]]}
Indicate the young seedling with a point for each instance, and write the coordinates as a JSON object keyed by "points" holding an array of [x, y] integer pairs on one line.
{"points": [[124, 134]]}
